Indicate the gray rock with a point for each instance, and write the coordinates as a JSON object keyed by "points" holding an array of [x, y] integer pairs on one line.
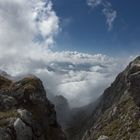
{"points": [[4, 135], [25, 115], [103, 138], [18, 101], [7, 102], [23, 132]]}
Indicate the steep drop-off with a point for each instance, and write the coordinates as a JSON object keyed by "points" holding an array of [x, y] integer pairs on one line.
{"points": [[117, 114]]}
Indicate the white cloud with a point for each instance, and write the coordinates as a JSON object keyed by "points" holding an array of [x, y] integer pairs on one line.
{"points": [[110, 16], [27, 29], [46, 20], [94, 3], [79, 77], [107, 10], [26, 23]]}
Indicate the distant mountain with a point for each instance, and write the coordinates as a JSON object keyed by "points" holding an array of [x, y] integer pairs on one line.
{"points": [[5, 74], [63, 110], [25, 112], [116, 116]]}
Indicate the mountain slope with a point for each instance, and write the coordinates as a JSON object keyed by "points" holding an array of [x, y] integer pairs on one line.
{"points": [[25, 112], [118, 114], [62, 109]]}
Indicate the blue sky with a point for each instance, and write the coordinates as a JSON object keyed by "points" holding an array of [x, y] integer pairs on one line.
{"points": [[76, 47], [85, 29]]}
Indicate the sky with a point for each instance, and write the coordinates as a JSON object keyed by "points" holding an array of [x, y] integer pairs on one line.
{"points": [[76, 47], [85, 26]]}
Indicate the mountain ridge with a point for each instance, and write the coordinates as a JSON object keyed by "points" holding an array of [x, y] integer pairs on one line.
{"points": [[25, 111], [117, 106]]}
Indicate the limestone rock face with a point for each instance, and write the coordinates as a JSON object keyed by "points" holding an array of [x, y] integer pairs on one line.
{"points": [[25, 112]]}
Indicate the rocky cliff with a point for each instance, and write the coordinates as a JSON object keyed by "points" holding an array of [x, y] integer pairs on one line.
{"points": [[117, 114], [117, 117], [25, 112]]}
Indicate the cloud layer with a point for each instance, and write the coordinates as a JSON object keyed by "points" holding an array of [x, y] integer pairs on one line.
{"points": [[26, 23], [27, 30], [109, 13]]}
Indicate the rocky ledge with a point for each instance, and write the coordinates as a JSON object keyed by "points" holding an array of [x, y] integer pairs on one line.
{"points": [[25, 112]]}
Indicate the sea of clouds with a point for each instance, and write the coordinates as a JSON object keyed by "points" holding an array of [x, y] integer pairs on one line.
{"points": [[27, 32]]}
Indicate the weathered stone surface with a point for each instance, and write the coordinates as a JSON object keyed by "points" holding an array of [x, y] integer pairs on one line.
{"points": [[119, 108], [23, 132], [7, 102], [4, 135], [103, 138], [26, 113]]}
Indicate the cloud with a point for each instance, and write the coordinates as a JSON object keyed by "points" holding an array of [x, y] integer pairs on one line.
{"points": [[26, 23], [109, 13], [27, 30], [79, 77], [94, 3]]}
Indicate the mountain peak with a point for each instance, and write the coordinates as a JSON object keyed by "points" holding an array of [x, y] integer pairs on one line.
{"points": [[117, 114], [25, 111]]}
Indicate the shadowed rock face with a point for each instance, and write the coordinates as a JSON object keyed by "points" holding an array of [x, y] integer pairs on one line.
{"points": [[25, 112], [117, 114], [62, 109]]}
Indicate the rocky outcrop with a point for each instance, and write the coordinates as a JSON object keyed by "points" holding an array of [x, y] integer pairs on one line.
{"points": [[25, 112], [63, 110], [117, 116]]}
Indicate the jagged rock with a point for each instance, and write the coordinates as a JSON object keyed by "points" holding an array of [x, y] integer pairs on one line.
{"points": [[119, 107], [117, 113], [25, 112], [25, 116], [23, 132], [103, 138], [7, 102]]}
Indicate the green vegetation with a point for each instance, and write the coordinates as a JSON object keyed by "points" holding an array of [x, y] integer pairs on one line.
{"points": [[4, 83], [123, 125]]}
